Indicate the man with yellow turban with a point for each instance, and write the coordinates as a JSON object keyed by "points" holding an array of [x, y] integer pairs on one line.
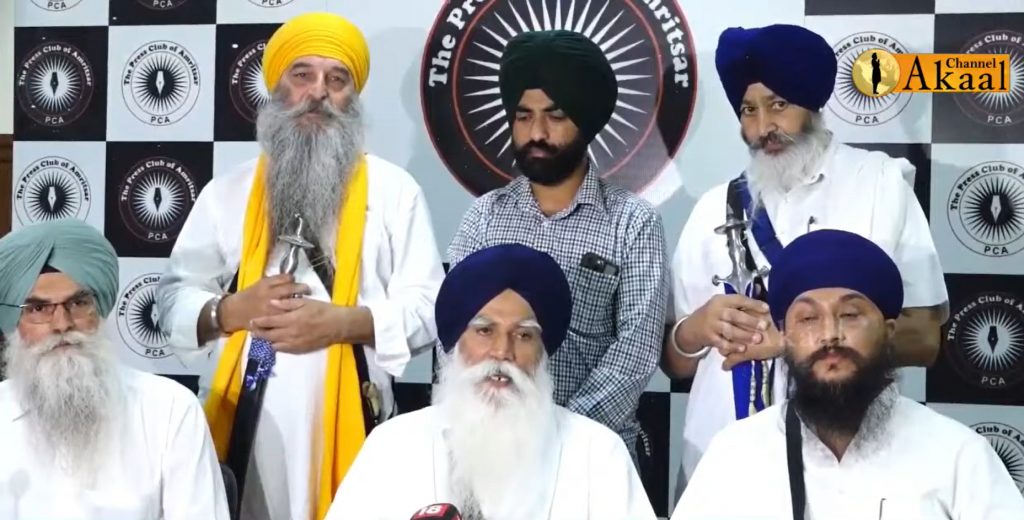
{"points": [[84, 436], [325, 342]]}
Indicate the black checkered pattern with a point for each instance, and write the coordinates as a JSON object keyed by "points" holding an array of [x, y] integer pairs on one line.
{"points": [[614, 340], [96, 134]]}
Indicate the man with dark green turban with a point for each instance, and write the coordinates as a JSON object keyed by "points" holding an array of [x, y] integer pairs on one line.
{"points": [[85, 437], [559, 91]]}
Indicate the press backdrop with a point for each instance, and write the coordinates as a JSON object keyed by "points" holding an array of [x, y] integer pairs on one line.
{"points": [[125, 109]]}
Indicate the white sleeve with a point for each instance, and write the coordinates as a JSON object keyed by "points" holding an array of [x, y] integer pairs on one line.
{"points": [[691, 287], [403, 322], [924, 284], [983, 487], [616, 492], [196, 272], [193, 486], [360, 493]]}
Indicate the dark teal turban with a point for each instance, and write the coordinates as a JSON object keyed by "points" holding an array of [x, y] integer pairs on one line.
{"points": [[572, 70], [69, 246], [485, 274], [795, 63], [831, 258]]}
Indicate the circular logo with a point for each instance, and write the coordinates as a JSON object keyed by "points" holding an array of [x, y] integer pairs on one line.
{"points": [[997, 108], [270, 3], [986, 208], [160, 83], [137, 315], [248, 91], [161, 5], [51, 188], [54, 84], [867, 73], [648, 44], [156, 197], [56, 5], [1008, 443], [985, 340]]}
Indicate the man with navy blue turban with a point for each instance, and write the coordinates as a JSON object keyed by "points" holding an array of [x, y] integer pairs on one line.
{"points": [[494, 444], [84, 436], [799, 177], [845, 444]]}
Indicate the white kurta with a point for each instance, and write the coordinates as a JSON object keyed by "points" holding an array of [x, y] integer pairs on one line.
{"points": [[163, 465], [400, 275], [404, 466], [868, 193], [923, 466]]}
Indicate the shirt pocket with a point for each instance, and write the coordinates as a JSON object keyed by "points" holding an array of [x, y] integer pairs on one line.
{"points": [[593, 303]]}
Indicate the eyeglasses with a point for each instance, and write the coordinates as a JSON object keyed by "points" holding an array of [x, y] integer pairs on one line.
{"points": [[79, 307]]}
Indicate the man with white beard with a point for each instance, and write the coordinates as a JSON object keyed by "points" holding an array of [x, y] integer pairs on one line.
{"points": [[778, 79], [367, 287], [84, 437], [845, 445], [494, 444]]}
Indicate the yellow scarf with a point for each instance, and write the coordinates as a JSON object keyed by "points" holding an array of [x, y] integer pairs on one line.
{"points": [[343, 427]]}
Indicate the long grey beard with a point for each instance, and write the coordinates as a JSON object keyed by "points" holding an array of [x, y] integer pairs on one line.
{"points": [[496, 439], [310, 164], [71, 396], [782, 172]]}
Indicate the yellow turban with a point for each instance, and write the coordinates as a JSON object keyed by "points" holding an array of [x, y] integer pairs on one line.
{"points": [[317, 34]]}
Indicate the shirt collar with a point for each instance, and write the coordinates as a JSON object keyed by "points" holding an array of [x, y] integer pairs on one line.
{"points": [[589, 193]]}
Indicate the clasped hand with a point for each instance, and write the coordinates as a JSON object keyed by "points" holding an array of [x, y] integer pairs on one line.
{"points": [[740, 328], [276, 309]]}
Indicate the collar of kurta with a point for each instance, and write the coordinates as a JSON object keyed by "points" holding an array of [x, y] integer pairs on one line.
{"points": [[588, 194]]}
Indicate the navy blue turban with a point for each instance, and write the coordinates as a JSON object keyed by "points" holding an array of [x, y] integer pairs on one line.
{"points": [[830, 258], [485, 274], [795, 63]]}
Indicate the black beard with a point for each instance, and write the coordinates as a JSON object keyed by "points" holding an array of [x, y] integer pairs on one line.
{"points": [[554, 169], [839, 408]]}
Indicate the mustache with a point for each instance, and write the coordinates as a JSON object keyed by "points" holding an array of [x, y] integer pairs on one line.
{"points": [[839, 350], [486, 369], [323, 108], [51, 342], [773, 137], [540, 145]]}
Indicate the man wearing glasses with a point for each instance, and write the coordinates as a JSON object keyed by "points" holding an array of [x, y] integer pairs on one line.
{"points": [[83, 436]]}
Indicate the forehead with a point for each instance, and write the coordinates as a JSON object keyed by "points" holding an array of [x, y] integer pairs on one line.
{"points": [[831, 295], [508, 306], [535, 98], [318, 62], [758, 92], [54, 285]]}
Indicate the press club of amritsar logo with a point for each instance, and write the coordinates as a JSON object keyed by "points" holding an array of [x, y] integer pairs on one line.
{"points": [[647, 42], [54, 84], [138, 318]]}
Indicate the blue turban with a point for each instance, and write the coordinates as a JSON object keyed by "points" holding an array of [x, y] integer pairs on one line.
{"points": [[795, 63], [831, 258], [69, 246], [485, 274]]}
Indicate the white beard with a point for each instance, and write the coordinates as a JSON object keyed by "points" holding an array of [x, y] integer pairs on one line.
{"points": [[497, 438], [779, 173], [71, 396]]}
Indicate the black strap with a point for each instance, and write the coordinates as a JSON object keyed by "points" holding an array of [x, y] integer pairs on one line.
{"points": [[795, 462]]}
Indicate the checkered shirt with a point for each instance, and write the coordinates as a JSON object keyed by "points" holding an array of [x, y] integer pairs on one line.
{"points": [[614, 340]]}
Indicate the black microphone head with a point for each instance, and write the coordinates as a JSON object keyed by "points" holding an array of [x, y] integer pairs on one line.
{"points": [[437, 512]]}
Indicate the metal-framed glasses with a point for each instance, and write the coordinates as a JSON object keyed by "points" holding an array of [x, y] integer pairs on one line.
{"points": [[79, 307]]}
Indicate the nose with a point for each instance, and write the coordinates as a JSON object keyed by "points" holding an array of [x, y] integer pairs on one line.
{"points": [[538, 130], [501, 349], [831, 331], [318, 90], [765, 125], [61, 321]]}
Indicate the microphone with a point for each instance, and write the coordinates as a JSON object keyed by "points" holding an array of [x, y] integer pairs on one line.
{"points": [[437, 512]]}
